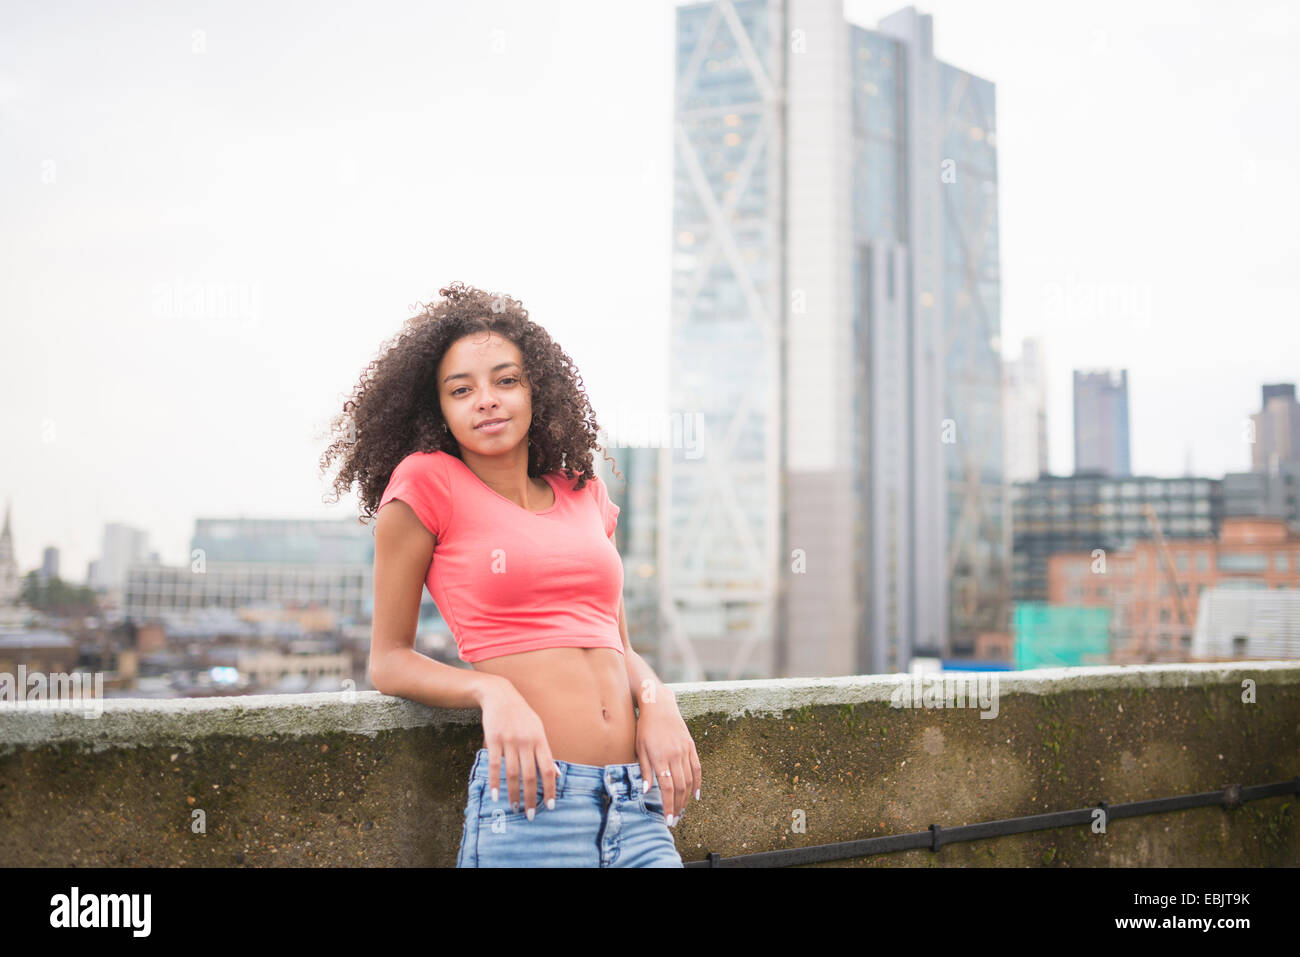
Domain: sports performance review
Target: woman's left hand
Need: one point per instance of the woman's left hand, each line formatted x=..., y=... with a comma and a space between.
x=665, y=749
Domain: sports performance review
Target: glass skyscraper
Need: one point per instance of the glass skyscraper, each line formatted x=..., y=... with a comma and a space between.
x=835, y=323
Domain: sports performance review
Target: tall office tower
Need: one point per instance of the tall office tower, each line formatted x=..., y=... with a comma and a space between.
x=49, y=564
x=634, y=488
x=1101, y=422
x=835, y=320
x=1276, y=428
x=122, y=546
x=1026, y=414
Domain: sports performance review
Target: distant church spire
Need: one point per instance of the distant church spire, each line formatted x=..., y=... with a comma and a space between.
x=10, y=588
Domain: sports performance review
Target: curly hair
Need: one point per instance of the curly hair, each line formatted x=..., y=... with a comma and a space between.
x=395, y=411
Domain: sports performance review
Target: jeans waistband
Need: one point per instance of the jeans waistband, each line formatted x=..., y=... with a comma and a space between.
x=624, y=780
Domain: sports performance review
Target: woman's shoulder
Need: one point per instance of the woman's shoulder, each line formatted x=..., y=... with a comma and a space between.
x=420, y=480
x=424, y=460
x=423, y=470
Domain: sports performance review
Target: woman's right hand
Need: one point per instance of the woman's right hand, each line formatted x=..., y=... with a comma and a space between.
x=513, y=731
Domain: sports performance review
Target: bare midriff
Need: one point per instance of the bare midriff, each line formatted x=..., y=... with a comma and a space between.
x=582, y=698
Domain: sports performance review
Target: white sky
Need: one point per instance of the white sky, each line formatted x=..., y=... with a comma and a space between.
x=332, y=164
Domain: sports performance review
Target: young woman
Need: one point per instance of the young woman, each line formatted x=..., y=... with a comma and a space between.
x=474, y=429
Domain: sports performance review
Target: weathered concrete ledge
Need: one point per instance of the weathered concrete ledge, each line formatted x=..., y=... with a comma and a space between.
x=360, y=778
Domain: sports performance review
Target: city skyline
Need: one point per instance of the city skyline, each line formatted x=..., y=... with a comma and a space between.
x=126, y=402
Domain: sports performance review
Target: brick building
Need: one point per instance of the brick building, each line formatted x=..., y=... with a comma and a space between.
x=1151, y=619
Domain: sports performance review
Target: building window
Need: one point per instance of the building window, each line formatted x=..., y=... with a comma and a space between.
x=1181, y=561
x=1243, y=562
x=1202, y=561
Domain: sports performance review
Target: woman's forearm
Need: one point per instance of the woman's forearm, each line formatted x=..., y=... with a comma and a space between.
x=405, y=673
x=646, y=688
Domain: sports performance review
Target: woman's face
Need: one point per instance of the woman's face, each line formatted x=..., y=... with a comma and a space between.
x=480, y=378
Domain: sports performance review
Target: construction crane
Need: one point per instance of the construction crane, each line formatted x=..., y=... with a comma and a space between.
x=1167, y=562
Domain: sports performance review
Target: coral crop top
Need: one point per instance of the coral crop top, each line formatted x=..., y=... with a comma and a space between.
x=509, y=580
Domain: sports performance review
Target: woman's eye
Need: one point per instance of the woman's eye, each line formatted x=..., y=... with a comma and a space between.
x=503, y=381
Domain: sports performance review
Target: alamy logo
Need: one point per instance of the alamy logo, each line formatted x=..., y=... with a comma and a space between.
x=948, y=691
x=79, y=691
x=102, y=910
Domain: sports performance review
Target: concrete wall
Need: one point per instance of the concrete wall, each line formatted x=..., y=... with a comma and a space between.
x=367, y=779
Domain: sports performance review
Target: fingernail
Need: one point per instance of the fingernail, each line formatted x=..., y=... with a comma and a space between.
x=550, y=804
x=495, y=793
x=645, y=786
x=671, y=820
x=697, y=794
x=531, y=812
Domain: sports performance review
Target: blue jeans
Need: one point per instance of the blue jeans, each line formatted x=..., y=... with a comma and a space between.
x=601, y=819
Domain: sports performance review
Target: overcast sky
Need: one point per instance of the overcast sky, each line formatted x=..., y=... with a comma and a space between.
x=328, y=165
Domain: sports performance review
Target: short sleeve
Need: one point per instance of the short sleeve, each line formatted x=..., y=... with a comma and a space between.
x=420, y=480
x=608, y=510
